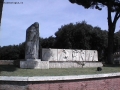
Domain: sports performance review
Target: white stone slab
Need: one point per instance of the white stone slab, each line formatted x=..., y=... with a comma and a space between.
x=33, y=59
x=35, y=64
x=95, y=55
x=49, y=54
x=76, y=55
x=87, y=55
x=64, y=55
x=74, y=64
x=64, y=64
x=93, y=64
x=56, y=78
x=91, y=55
x=69, y=55
x=82, y=55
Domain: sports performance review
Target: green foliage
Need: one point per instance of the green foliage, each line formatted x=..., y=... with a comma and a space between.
x=112, y=6
x=64, y=36
x=22, y=50
x=71, y=36
x=117, y=41
x=74, y=36
x=82, y=36
x=98, y=4
x=9, y=52
x=47, y=42
x=99, y=38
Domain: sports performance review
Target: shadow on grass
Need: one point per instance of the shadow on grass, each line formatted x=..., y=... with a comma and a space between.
x=8, y=68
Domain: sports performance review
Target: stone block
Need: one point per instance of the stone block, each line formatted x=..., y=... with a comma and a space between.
x=93, y=64
x=64, y=55
x=73, y=64
x=32, y=42
x=49, y=54
x=36, y=64
x=64, y=64
x=91, y=55
x=82, y=55
x=95, y=55
x=76, y=55
x=69, y=55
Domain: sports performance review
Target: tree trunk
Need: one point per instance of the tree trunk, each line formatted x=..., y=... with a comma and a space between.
x=1, y=7
x=110, y=34
x=110, y=46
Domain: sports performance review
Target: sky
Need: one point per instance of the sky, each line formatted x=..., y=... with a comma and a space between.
x=50, y=14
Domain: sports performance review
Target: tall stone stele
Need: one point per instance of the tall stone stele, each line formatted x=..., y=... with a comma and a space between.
x=32, y=42
x=32, y=49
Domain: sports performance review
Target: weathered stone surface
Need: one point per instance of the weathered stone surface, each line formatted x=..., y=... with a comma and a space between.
x=64, y=64
x=49, y=54
x=92, y=64
x=34, y=64
x=91, y=55
x=64, y=55
x=82, y=55
x=69, y=55
x=61, y=58
x=73, y=64
x=32, y=42
x=95, y=55
x=75, y=55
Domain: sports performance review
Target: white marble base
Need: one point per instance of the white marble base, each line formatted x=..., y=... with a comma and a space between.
x=34, y=64
x=37, y=64
x=73, y=64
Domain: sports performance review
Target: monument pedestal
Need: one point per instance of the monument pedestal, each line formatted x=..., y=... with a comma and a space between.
x=34, y=64
x=73, y=64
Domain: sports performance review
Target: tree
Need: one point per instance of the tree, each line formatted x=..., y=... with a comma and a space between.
x=10, y=52
x=98, y=42
x=117, y=42
x=82, y=36
x=22, y=50
x=47, y=42
x=74, y=36
x=64, y=36
x=113, y=6
x=1, y=6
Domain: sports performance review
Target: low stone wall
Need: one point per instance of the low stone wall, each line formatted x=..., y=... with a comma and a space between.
x=37, y=64
x=6, y=62
x=79, y=82
x=34, y=64
x=69, y=55
x=73, y=64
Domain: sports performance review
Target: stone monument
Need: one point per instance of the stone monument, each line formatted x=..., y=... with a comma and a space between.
x=55, y=58
x=32, y=42
x=71, y=58
x=32, y=49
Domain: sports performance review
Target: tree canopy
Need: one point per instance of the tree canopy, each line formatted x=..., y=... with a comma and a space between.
x=70, y=36
x=112, y=6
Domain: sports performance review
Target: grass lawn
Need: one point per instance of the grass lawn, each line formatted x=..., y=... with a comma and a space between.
x=13, y=71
